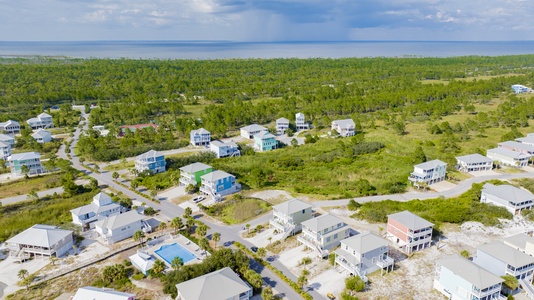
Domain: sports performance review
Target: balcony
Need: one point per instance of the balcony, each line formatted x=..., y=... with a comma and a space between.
x=385, y=262
x=519, y=271
x=349, y=263
x=187, y=180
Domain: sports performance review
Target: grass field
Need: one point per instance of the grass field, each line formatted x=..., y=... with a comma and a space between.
x=23, y=186
x=119, y=166
x=238, y=210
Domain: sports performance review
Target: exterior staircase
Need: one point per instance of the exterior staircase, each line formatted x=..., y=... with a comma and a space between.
x=527, y=287
x=288, y=231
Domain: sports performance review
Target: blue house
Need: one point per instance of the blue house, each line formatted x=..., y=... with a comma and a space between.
x=152, y=161
x=218, y=184
x=265, y=141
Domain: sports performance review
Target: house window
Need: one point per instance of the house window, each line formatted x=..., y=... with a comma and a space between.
x=303, y=211
x=335, y=236
x=328, y=239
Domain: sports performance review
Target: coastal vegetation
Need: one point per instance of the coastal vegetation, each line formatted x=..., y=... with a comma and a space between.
x=237, y=209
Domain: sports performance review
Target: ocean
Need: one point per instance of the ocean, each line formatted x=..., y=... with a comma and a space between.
x=230, y=50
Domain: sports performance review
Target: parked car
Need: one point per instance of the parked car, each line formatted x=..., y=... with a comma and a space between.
x=254, y=249
x=198, y=199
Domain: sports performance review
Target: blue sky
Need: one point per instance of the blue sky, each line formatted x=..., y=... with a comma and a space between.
x=266, y=20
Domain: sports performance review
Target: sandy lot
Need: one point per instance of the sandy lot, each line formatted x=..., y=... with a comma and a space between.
x=272, y=196
x=261, y=239
x=442, y=186
x=172, y=193
x=9, y=270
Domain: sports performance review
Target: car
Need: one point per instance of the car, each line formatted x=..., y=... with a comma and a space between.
x=198, y=199
x=254, y=249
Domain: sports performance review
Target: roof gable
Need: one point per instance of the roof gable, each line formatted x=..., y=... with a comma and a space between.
x=292, y=206
x=410, y=220
x=210, y=286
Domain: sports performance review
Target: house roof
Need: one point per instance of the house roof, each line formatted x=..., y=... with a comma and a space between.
x=33, y=120
x=282, y=120
x=264, y=135
x=322, y=222
x=142, y=260
x=216, y=175
x=474, y=158
x=507, y=254
x=44, y=115
x=101, y=202
x=223, y=144
x=292, y=206
x=219, y=285
x=508, y=192
x=469, y=271
x=149, y=154
x=410, y=220
x=365, y=242
x=5, y=137
x=9, y=122
x=24, y=156
x=94, y=293
x=253, y=127
x=4, y=144
x=118, y=221
x=102, y=199
x=299, y=115
x=195, y=167
x=508, y=153
x=346, y=123
x=519, y=240
x=200, y=131
x=41, y=133
x=528, y=139
x=40, y=235
x=431, y=164
x=517, y=145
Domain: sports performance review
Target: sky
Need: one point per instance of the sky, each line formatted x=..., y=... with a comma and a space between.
x=266, y=20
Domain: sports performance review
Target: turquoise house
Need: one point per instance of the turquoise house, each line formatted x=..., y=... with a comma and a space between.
x=265, y=141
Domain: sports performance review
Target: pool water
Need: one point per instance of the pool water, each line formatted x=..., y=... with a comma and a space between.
x=169, y=252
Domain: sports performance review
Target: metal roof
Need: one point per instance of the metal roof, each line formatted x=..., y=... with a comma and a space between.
x=264, y=135
x=219, y=285
x=322, y=222
x=410, y=220
x=40, y=235
x=528, y=139
x=5, y=137
x=431, y=164
x=195, y=167
x=346, y=123
x=223, y=144
x=216, y=175
x=94, y=293
x=118, y=221
x=365, y=242
x=507, y=254
x=474, y=158
x=517, y=145
x=292, y=206
x=25, y=156
x=282, y=120
x=200, y=131
x=41, y=133
x=149, y=154
x=469, y=271
x=519, y=240
x=253, y=127
x=508, y=192
x=508, y=153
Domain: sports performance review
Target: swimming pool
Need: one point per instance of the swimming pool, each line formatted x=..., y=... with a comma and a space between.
x=169, y=252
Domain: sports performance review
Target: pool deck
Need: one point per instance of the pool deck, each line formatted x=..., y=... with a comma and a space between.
x=182, y=241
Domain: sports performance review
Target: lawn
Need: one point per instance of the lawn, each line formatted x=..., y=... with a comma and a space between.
x=119, y=166
x=23, y=186
x=237, y=209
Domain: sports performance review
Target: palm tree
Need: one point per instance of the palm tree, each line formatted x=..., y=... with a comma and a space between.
x=267, y=293
x=162, y=226
x=201, y=230
x=204, y=244
x=22, y=274
x=190, y=223
x=177, y=223
x=188, y=212
x=158, y=268
x=115, y=175
x=216, y=237
x=138, y=236
x=176, y=263
x=302, y=281
x=261, y=252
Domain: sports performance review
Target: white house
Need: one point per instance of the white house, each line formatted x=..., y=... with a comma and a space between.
x=300, y=122
x=363, y=254
x=323, y=233
x=200, y=137
x=528, y=140
x=5, y=150
x=508, y=157
x=522, y=242
x=9, y=139
x=101, y=130
x=409, y=231
x=42, y=240
x=43, y=120
x=474, y=162
x=251, y=130
x=501, y=259
x=519, y=89
x=152, y=161
x=95, y=293
x=222, y=150
x=508, y=196
x=142, y=261
x=119, y=227
x=32, y=160
x=345, y=127
x=223, y=284
x=429, y=172
x=10, y=127
x=459, y=278
x=282, y=125
x=517, y=146
x=42, y=136
x=288, y=216
x=101, y=207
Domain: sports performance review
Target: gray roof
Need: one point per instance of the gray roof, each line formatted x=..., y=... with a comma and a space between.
x=469, y=271
x=149, y=154
x=474, y=158
x=508, y=153
x=9, y=122
x=253, y=127
x=216, y=175
x=24, y=156
x=299, y=115
x=5, y=137
x=118, y=221
x=219, y=285
x=431, y=164
x=517, y=145
x=41, y=133
x=508, y=192
x=507, y=254
x=264, y=135
x=40, y=235
x=4, y=144
x=95, y=293
x=44, y=115
x=195, y=167
x=365, y=242
x=101, y=202
x=322, y=222
x=519, y=240
x=292, y=206
x=528, y=139
x=282, y=120
x=200, y=131
x=223, y=144
x=410, y=220
x=346, y=123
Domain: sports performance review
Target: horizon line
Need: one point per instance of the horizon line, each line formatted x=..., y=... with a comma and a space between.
x=270, y=42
